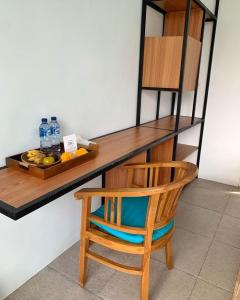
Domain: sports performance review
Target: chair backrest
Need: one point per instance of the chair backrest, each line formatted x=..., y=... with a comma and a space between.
x=162, y=198
x=180, y=174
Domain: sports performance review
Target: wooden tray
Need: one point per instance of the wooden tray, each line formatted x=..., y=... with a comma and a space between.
x=16, y=163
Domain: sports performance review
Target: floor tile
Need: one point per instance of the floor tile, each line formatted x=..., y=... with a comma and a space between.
x=197, y=219
x=206, y=291
x=233, y=208
x=20, y=295
x=97, y=274
x=48, y=284
x=221, y=266
x=208, y=184
x=212, y=199
x=164, y=284
x=189, y=251
x=229, y=231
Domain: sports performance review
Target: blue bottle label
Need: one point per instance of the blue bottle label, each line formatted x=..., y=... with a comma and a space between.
x=55, y=130
x=44, y=132
x=41, y=132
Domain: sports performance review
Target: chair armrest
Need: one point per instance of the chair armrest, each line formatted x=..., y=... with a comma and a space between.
x=123, y=192
x=166, y=164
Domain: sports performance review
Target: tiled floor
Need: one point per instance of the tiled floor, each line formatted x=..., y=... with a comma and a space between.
x=206, y=257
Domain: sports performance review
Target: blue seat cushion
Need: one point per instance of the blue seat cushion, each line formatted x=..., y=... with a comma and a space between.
x=134, y=210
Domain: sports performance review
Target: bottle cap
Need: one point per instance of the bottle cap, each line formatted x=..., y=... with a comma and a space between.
x=54, y=118
x=44, y=120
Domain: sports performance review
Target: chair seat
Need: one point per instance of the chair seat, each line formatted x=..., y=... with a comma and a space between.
x=134, y=210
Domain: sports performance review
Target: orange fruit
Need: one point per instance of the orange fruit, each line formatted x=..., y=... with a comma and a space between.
x=80, y=151
x=66, y=156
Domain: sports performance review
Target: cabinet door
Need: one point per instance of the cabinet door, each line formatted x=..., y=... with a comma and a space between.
x=163, y=152
x=117, y=177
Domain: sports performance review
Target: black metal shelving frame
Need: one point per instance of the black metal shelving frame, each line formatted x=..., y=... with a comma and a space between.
x=208, y=16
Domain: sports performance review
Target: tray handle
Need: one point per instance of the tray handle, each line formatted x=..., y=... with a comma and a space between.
x=24, y=165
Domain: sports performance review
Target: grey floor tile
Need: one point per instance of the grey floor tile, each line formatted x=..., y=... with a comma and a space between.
x=189, y=251
x=206, y=291
x=48, y=284
x=221, y=266
x=233, y=208
x=164, y=284
x=20, y=295
x=197, y=219
x=229, y=231
x=208, y=184
x=97, y=274
x=212, y=199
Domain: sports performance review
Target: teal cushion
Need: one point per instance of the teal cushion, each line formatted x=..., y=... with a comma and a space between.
x=134, y=212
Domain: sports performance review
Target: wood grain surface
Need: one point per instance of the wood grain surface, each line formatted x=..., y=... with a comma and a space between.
x=175, y=21
x=173, y=5
x=168, y=123
x=18, y=189
x=162, y=62
x=183, y=151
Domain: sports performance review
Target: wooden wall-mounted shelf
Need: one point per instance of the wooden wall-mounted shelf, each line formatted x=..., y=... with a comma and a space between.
x=183, y=151
x=180, y=5
x=172, y=5
x=169, y=123
x=21, y=193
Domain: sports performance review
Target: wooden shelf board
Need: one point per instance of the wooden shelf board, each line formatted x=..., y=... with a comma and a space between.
x=168, y=123
x=183, y=151
x=173, y=5
x=180, y=5
x=21, y=193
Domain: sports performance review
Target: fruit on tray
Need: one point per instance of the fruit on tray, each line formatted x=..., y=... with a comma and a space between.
x=80, y=151
x=67, y=155
x=48, y=160
x=35, y=156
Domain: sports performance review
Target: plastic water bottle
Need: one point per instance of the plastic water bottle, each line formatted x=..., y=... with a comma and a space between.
x=55, y=135
x=45, y=136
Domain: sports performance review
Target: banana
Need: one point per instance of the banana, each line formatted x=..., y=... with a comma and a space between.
x=35, y=156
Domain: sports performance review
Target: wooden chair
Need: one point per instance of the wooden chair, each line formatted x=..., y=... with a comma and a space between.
x=109, y=226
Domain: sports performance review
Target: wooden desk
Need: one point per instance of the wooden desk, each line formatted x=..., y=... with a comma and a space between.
x=21, y=194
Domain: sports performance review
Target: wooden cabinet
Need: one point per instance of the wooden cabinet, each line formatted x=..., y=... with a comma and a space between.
x=161, y=153
x=117, y=177
x=163, y=55
x=162, y=62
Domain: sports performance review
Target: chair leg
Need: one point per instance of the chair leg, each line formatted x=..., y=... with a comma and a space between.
x=145, y=277
x=83, y=261
x=169, y=254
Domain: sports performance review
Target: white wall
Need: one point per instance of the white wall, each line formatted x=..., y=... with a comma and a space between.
x=79, y=60
x=74, y=59
x=221, y=143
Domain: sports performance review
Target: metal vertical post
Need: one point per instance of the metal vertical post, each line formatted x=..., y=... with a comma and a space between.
x=141, y=59
x=208, y=81
x=199, y=66
x=182, y=73
x=173, y=103
x=158, y=104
